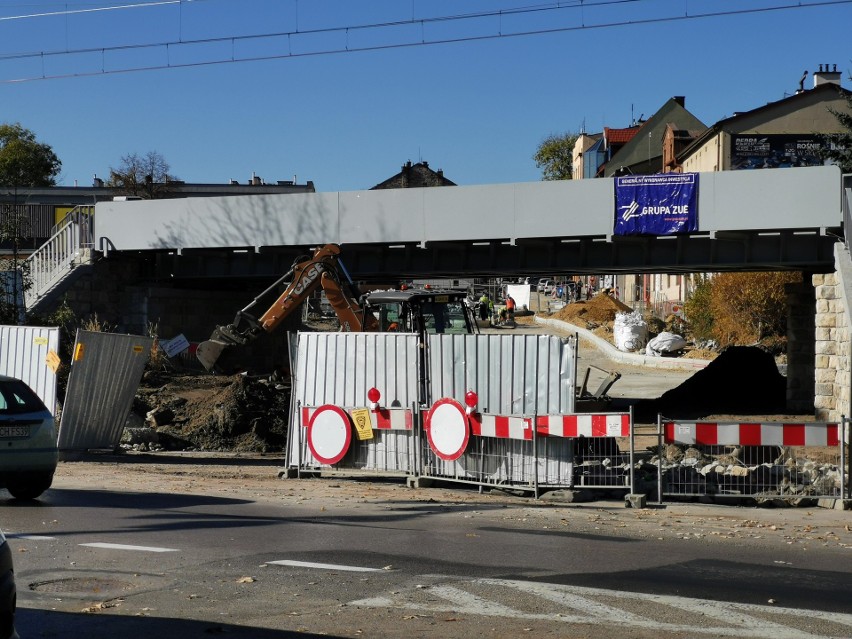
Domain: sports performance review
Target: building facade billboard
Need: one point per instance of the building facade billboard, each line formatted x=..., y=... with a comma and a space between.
x=751, y=151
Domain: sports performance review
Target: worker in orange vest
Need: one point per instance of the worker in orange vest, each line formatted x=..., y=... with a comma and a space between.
x=510, y=308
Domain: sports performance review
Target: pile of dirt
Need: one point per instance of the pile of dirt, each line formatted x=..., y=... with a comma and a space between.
x=742, y=380
x=598, y=310
x=209, y=412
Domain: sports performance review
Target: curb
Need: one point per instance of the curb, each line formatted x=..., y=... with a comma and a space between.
x=631, y=359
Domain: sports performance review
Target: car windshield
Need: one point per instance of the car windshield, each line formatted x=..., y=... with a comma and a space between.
x=17, y=397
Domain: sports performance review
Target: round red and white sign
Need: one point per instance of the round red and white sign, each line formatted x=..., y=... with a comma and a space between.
x=329, y=434
x=447, y=429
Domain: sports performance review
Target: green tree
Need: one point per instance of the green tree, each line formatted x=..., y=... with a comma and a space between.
x=697, y=309
x=24, y=163
x=840, y=144
x=554, y=156
x=147, y=176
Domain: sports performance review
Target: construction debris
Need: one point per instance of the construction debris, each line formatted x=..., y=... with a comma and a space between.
x=207, y=412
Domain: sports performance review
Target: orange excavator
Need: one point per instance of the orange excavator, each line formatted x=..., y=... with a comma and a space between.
x=324, y=269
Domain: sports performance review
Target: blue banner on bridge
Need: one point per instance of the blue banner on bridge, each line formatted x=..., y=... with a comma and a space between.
x=656, y=204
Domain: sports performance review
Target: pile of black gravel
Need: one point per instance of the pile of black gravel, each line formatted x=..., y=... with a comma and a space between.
x=743, y=380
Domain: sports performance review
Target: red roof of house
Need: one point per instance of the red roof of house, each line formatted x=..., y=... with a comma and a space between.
x=620, y=136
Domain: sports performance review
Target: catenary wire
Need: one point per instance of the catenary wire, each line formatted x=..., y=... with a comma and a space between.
x=347, y=48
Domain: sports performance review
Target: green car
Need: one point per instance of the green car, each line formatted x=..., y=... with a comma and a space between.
x=28, y=452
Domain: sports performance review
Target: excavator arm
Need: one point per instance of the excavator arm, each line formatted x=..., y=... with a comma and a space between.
x=306, y=275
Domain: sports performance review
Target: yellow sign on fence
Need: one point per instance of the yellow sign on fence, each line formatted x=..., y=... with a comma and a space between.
x=363, y=425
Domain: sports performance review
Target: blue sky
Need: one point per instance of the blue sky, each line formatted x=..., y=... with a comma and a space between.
x=476, y=107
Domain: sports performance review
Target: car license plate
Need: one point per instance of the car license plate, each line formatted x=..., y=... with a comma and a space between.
x=14, y=431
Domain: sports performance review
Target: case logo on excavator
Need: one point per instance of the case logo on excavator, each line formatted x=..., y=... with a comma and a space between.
x=308, y=278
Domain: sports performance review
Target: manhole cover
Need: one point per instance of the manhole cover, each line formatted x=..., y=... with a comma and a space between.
x=81, y=585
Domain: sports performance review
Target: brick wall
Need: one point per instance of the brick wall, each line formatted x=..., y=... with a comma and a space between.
x=832, y=378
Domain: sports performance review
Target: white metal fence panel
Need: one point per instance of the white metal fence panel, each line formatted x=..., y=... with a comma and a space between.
x=105, y=373
x=338, y=369
x=23, y=354
x=511, y=374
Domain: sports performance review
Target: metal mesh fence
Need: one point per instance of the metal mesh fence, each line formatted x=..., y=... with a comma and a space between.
x=563, y=451
x=761, y=461
x=601, y=462
x=495, y=462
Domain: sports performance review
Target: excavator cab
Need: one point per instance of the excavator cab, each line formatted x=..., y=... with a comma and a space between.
x=420, y=311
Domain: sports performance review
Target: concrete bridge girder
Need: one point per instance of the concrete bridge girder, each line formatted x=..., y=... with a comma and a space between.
x=801, y=250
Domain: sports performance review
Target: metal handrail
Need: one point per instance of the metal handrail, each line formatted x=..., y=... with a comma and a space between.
x=58, y=256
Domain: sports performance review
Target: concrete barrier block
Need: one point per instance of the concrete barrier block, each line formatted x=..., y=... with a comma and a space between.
x=636, y=501
x=419, y=482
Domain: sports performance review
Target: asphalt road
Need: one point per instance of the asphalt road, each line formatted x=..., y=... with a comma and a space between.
x=168, y=550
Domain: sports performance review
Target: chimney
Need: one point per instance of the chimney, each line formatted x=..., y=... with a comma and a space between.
x=802, y=82
x=98, y=182
x=255, y=180
x=826, y=76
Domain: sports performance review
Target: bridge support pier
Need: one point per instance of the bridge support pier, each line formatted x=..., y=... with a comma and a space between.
x=833, y=348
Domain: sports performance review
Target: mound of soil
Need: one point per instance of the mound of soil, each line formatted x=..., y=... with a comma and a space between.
x=601, y=308
x=209, y=412
x=742, y=380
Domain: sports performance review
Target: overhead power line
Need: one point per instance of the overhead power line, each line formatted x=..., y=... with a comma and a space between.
x=70, y=12
x=294, y=37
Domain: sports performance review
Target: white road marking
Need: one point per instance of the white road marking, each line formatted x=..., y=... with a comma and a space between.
x=465, y=601
x=309, y=564
x=128, y=547
x=586, y=606
x=719, y=610
x=595, y=605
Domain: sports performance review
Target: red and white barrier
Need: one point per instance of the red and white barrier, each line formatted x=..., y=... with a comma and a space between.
x=329, y=428
x=584, y=425
x=501, y=426
x=746, y=434
x=381, y=418
x=392, y=419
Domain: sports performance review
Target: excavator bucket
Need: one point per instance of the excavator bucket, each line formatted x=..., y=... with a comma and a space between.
x=209, y=351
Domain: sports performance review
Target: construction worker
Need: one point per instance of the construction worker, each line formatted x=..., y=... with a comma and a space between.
x=486, y=307
x=510, y=308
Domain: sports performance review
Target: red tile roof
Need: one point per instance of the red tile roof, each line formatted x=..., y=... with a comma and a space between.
x=620, y=136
